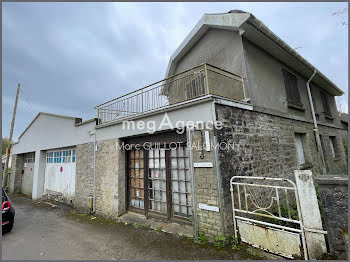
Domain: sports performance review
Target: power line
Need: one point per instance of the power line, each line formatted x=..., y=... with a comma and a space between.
x=31, y=107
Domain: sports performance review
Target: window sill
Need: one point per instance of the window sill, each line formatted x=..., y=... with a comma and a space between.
x=305, y=166
x=328, y=117
x=301, y=108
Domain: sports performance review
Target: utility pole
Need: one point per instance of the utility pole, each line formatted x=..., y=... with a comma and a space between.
x=4, y=182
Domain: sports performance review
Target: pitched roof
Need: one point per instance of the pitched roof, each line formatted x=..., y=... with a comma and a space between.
x=49, y=114
x=255, y=31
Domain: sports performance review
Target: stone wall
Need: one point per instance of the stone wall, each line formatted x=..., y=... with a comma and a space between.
x=84, y=176
x=15, y=180
x=265, y=146
x=110, y=179
x=206, y=187
x=333, y=192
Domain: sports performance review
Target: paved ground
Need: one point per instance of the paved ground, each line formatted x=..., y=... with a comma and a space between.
x=45, y=232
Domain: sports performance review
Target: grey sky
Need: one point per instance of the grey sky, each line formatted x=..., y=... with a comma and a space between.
x=70, y=57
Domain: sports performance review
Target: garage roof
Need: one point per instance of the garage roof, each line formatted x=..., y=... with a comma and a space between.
x=255, y=31
x=49, y=114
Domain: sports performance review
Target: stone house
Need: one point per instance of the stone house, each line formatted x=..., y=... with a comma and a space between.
x=230, y=69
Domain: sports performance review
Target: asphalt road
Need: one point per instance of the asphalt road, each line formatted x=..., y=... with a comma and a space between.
x=44, y=232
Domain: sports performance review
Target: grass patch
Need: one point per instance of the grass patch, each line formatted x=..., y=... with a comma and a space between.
x=202, y=239
x=220, y=241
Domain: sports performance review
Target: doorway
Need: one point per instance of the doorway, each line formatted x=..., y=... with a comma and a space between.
x=160, y=182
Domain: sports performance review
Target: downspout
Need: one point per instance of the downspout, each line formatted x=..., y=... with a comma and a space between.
x=94, y=177
x=318, y=140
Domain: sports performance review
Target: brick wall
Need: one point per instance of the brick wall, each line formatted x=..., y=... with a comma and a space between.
x=265, y=146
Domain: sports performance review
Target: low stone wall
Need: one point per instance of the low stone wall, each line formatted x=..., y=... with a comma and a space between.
x=334, y=200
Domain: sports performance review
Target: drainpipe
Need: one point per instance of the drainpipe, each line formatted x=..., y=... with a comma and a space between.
x=318, y=140
x=94, y=178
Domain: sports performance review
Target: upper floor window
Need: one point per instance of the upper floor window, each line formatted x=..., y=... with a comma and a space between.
x=292, y=90
x=325, y=103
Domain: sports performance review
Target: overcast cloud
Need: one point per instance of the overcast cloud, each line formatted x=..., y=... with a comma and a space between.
x=70, y=57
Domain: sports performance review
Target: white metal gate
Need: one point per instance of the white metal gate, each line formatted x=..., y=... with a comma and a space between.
x=266, y=214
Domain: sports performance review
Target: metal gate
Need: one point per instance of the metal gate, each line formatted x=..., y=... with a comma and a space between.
x=266, y=214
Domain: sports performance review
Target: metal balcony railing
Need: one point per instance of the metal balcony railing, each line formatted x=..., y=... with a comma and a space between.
x=196, y=82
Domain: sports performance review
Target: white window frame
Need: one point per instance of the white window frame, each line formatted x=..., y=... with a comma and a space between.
x=332, y=143
x=63, y=156
x=300, y=148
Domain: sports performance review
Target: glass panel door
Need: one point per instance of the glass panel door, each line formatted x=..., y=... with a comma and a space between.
x=157, y=180
x=136, y=179
x=181, y=182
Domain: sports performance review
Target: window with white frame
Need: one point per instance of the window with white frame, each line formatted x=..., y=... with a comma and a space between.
x=57, y=157
x=49, y=157
x=66, y=156
x=61, y=156
x=300, y=150
x=29, y=158
x=73, y=156
x=333, y=145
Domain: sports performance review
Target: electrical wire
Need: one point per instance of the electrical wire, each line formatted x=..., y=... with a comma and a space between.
x=31, y=107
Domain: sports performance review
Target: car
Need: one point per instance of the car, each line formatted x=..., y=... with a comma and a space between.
x=8, y=213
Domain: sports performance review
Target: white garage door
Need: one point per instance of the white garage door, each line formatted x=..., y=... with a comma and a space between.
x=60, y=172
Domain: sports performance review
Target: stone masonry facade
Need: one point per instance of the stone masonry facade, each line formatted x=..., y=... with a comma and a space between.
x=84, y=176
x=110, y=178
x=333, y=192
x=15, y=179
x=265, y=146
x=206, y=187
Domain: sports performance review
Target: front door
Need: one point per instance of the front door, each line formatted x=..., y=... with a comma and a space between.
x=166, y=189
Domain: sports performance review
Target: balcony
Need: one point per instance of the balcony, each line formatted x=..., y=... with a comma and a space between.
x=200, y=81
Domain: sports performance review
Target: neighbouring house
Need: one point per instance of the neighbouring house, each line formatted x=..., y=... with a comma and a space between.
x=3, y=160
x=230, y=68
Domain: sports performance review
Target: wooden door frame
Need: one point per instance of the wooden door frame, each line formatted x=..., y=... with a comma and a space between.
x=145, y=211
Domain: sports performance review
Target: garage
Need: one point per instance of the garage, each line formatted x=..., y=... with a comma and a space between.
x=28, y=173
x=60, y=173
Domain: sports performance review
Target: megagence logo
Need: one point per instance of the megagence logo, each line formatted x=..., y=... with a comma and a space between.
x=179, y=126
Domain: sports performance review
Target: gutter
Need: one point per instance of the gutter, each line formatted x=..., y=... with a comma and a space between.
x=268, y=33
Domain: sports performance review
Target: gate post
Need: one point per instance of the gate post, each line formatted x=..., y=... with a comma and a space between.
x=310, y=212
